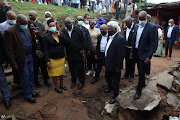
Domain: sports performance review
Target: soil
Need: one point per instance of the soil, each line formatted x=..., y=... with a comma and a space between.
x=88, y=103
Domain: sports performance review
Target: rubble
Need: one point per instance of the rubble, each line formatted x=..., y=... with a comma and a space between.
x=109, y=107
x=172, y=100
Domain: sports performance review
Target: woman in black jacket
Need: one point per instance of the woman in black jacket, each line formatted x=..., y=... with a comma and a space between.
x=54, y=54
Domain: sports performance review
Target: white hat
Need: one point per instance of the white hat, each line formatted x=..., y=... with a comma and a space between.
x=47, y=13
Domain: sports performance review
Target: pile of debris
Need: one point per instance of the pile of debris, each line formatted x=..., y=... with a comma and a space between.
x=150, y=98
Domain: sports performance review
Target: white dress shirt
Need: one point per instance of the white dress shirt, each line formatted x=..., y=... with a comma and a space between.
x=109, y=42
x=86, y=25
x=170, y=31
x=103, y=43
x=128, y=30
x=4, y=26
x=138, y=36
x=70, y=31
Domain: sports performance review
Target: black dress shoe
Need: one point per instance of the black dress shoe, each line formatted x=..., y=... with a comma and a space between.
x=112, y=101
x=137, y=95
x=63, y=87
x=107, y=90
x=124, y=77
x=31, y=100
x=131, y=79
x=94, y=81
x=47, y=84
x=35, y=94
x=58, y=90
x=73, y=84
x=7, y=105
x=81, y=85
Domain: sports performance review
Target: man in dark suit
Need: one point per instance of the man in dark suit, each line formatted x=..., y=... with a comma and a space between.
x=128, y=36
x=117, y=7
x=171, y=37
x=20, y=54
x=100, y=51
x=6, y=94
x=114, y=55
x=33, y=17
x=75, y=51
x=143, y=45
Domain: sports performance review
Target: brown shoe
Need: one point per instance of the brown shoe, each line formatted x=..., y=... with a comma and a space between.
x=169, y=58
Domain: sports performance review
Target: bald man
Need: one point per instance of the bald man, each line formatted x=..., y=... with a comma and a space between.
x=75, y=51
x=143, y=45
x=100, y=51
x=33, y=17
x=20, y=51
x=171, y=37
x=3, y=11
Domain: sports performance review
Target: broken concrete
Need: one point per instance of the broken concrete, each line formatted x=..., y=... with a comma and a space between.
x=172, y=100
x=165, y=79
x=109, y=107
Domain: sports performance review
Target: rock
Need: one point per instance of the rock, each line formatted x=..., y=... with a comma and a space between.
x=10, y=117
x=165, y=80
x=176, y=74
x=172, y=100
x=109, y=107
x=45, y=104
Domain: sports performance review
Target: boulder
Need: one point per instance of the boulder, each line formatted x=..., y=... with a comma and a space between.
x=172, y=100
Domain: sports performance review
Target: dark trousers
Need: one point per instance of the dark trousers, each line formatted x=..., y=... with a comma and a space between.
x=40, y=63
x=100, y=63
x=169, y=44
x=113, y=79
x=91, y=61
x=6, y=94
x=76, y=68
x=27, y=77
x=75, y=5
x=148, y=69
x=141, y=69
x=92, y=5
x=130, y=64
x=117, y=13
x=16, y=76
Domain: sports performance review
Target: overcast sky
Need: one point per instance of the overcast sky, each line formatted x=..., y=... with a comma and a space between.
x=160, y=1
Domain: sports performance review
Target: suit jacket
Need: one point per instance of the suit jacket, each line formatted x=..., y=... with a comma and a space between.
x=4, y=26
x=2, y=50
x=15, y=46
x=115, y=54
x=52, y=49
x=129, y=42
x=174, y=34
x=40, y=25
x=77, y=42
x=98, y=52
x=147, y=42
x=116, y=5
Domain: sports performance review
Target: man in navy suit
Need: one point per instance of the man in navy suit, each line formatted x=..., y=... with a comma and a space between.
x=143, y=45
x=114, y=55
x=171, y=37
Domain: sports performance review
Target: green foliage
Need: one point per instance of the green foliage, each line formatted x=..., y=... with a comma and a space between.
x=58, y=12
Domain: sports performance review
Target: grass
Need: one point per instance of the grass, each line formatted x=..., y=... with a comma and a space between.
x=58, y=12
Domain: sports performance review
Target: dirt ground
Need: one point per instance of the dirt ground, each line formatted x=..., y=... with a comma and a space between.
x=86, y=104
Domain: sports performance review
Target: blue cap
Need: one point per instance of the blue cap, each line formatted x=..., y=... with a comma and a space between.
x=101, y=20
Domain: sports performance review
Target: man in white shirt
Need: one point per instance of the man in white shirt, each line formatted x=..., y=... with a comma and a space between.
x=114, y=55
x=86, y=21
x=143, y=45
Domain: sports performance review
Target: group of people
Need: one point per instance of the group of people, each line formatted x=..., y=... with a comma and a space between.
x=28, y=45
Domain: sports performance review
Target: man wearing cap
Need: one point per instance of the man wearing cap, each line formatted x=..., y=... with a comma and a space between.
x=100, y=22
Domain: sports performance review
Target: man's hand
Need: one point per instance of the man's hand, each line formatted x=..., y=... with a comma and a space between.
x=15, y=67
x=164, y=41
x=147, y=61
x=118, y=70
x=48, y=64
x=176, y=42
x=131, y=56
x=82, y=52
x=88, y=53
x=5, y=64
x=96, y=57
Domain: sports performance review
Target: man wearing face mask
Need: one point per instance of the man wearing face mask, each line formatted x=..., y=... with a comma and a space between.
x=100, y=51
x=143, y=45
x=128, y=34
x=75, y=52
x=20, y=52
x=171, y=37
x=33, y=17
x=48, y=16
x=86, y=21
x=3, y=11
x=114, y=55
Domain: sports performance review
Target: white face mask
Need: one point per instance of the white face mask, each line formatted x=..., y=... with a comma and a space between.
x=169, y=24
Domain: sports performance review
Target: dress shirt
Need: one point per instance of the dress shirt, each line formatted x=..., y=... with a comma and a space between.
x=138, y=36
x=4, y=26
x=170, y=31
x=109, y=42
x=93, y=34
x=103, y=43
x=86, y=25
x=128, y=30
x=27, y=41
x=70, y=31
